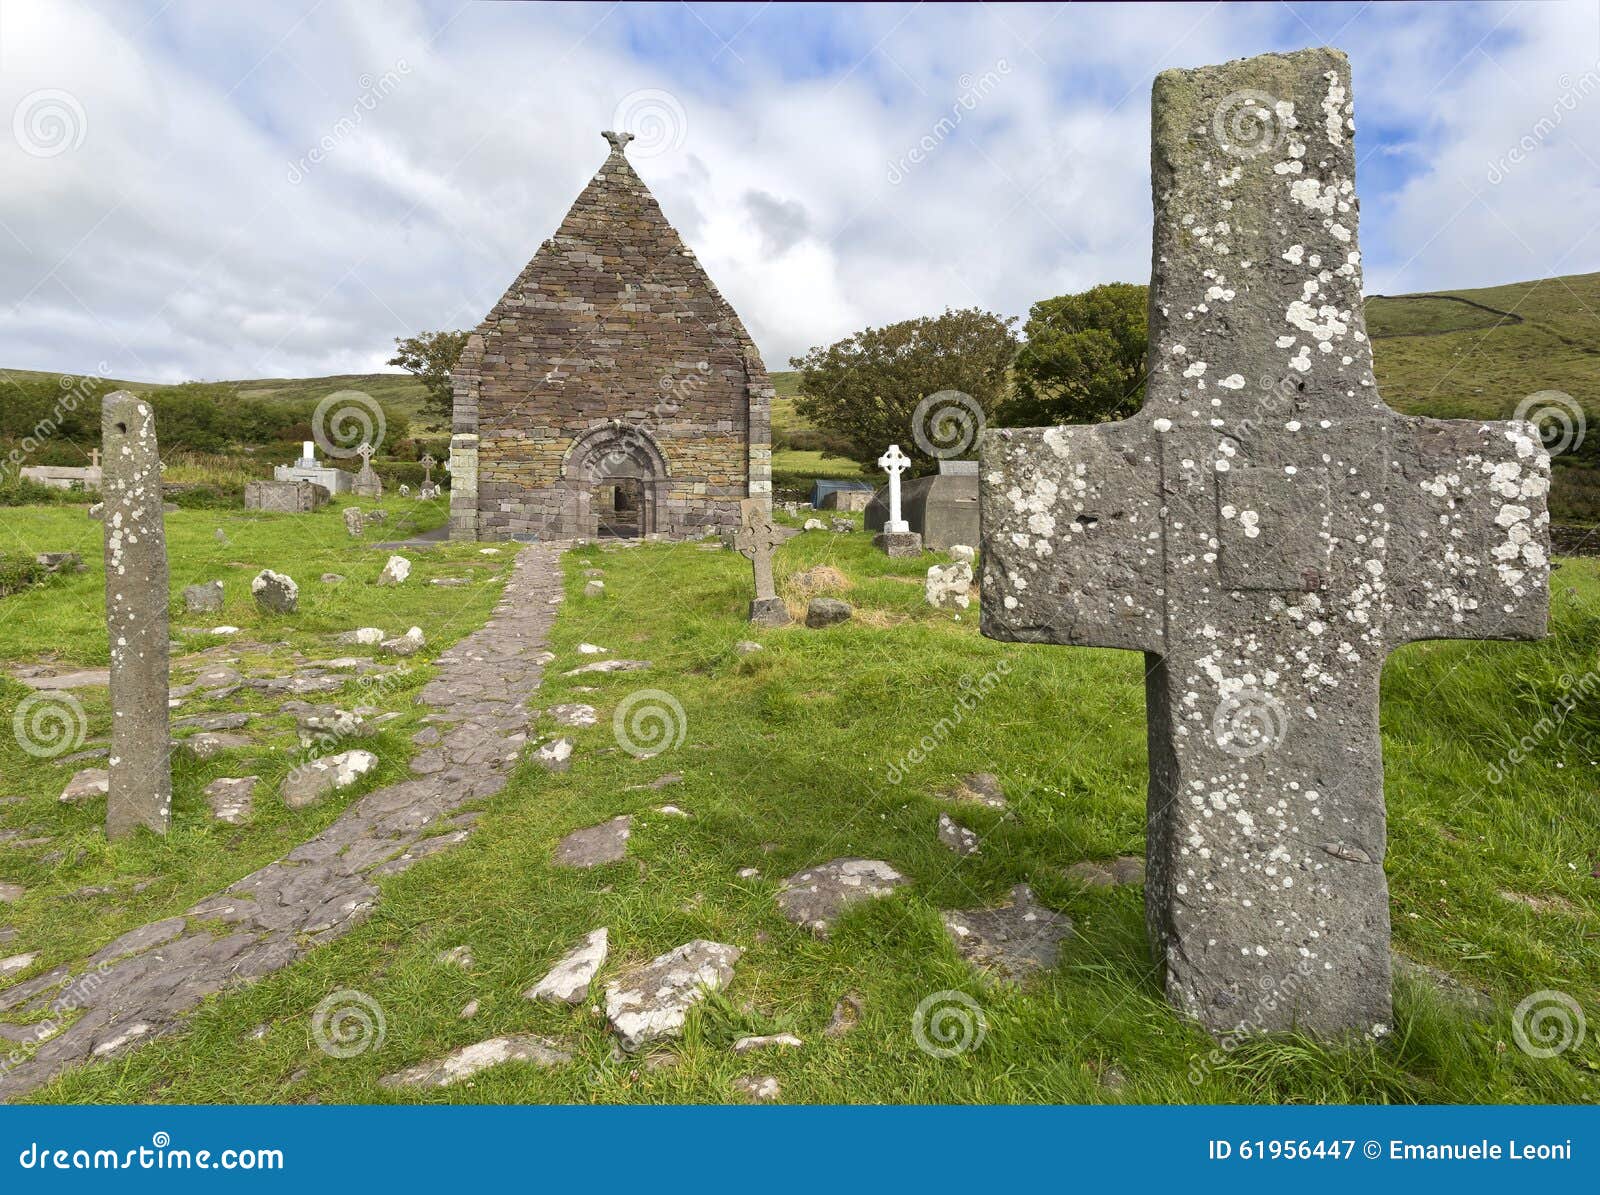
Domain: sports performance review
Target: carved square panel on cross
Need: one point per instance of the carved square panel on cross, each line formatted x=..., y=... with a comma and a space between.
x=1267, y=531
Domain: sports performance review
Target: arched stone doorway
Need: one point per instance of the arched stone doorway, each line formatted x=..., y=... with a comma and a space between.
x=615, y=480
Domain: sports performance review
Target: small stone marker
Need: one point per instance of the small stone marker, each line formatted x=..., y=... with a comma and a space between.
x=367, y=483
x=395, y=570
x=139, y=772
x=755, y=539
x=275, y=593
x=205, y=598
x=354, y=522
x=1267, y=531
x=896, y=538
x=427, y=476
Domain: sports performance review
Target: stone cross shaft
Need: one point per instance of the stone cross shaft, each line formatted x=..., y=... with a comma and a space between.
x=756, y=538
x=894, y=462
x=1267, y=531
x=139, y=769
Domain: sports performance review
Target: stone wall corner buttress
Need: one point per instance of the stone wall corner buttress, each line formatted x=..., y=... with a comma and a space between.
x=464, y=486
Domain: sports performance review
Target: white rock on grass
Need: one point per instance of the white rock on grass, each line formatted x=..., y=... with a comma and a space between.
x=786, y=1040
x=591, y=649
x=87, y=784
x=469, y=1060
x=652, y=1002
x=310, y=782
x=17, y=962
x=962, y=554
x=223, y=631
x=408, y=644
x=556, y=756
x=568, y=981
x=365, y=636
x=275, y=593
x=395, y=571
x=814, y=525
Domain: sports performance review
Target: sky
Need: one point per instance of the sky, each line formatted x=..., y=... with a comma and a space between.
x=279, y=189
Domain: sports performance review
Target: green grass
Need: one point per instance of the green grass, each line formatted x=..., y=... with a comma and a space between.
x=787, y=757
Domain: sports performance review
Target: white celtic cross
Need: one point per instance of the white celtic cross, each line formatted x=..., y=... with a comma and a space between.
x=365, y=453
x=894, y=462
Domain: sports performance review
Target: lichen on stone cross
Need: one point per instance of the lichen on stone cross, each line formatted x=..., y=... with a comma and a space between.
x=894, y=462
x=139, y=771
x=1267, y=531
x=756, y=537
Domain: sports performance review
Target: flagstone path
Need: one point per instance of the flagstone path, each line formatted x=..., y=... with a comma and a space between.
x=144, y=983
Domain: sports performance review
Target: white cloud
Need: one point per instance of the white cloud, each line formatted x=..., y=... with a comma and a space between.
x=266, y=190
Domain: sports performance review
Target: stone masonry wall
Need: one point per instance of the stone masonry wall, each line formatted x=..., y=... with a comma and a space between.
x=612, y=325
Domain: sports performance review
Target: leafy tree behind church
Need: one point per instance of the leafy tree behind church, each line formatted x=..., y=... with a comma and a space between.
x=431, y=356
x=866, y=387
x=1084, y=360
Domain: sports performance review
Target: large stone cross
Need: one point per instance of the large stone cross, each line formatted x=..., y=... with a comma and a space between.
x=1267, y=531
x=894, y=462
x=756, y=538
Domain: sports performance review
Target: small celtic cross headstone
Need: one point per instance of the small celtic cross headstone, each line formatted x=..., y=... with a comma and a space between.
x=427, y=470
x=756, y=538
x=1266, y=530
x=897, y=538
x=367, y=483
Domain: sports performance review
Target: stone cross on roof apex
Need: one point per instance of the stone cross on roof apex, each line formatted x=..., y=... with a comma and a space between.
x=619, y=141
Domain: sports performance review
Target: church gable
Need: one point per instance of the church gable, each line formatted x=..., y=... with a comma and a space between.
x=613, y=326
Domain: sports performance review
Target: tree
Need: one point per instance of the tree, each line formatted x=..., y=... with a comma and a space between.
x=870, y=388
x=431, y=356
x=1084, y=361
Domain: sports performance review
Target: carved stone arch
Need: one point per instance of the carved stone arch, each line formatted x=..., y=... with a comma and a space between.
x=615, y=456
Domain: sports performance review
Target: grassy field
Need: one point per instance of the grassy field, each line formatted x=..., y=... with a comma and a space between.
x=792, y=756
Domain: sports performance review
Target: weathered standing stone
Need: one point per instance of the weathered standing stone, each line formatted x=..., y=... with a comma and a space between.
x=367, y=483
x=139, y=772
x=206, y=598
x=756, y=538
x=1267, y=530
x=653, y=1001
x=354, y=522
x=275, y=593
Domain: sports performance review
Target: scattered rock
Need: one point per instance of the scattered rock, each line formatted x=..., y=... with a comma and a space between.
x=408, y=644
x=824, y=612
x=328, y=723
x=957, y=837
x=652, y=1002
x=594, y=845
x=1011, y=940
x=949, y=586
x=223, y=630
x=275, y=593
x=813, y=525
x=760, y=1089
x=378, y=516
x=1447, y=986
x=979, y=788
x=770, y=1041
x=203, y=599
x=747, y=647
x=591, y=649
x=456, y=956
x=573, y=715
x=11, y=892
x=609, y=666
x=354, y=523
x=749, y=873
x=816, y=897
x=568, y=981
x=962, y=553
x=310, y=782
x=470, y=1010
x=60, y=562
x=840, y=526
x=846, y=1016
x=1125, y=869
x=85, y=785
x=469, y=1060
x=556, y=756
x=213, y=722
x=364, y=636
x=232, y=798
x=593, y=588
x=395, y=571
x=17, y=962
x=333, y=578
x=209, y=745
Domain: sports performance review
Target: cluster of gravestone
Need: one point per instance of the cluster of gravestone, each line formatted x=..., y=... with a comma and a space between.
x=308, y=484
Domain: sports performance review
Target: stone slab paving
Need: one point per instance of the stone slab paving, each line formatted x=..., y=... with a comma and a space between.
x=144, y=983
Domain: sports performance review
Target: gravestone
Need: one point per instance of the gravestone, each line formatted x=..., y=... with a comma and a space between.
x=1267, y=531
x=367, y=483
x=428, y=491
x=308, y=468
x=896, y=538
x=139, y=773
x=284, y=497
x=756, y=538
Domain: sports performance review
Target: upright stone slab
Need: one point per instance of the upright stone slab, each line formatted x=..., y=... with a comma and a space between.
x=1267, y=530
x=139, y=773
x=756, y=537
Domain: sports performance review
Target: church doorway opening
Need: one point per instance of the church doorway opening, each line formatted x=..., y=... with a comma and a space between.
x=616, y=480
x=618, y=508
